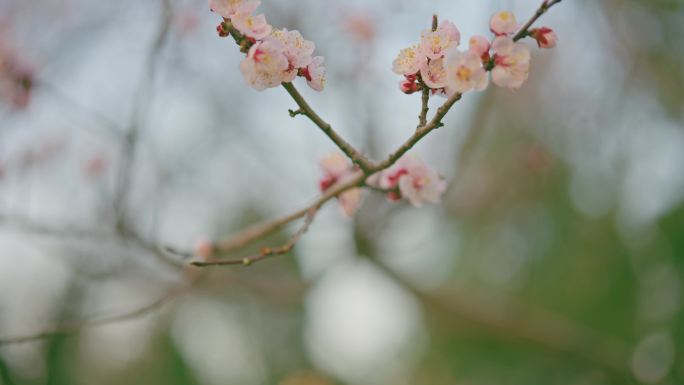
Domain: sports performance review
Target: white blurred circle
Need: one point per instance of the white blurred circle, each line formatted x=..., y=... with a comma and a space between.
x=361, y=326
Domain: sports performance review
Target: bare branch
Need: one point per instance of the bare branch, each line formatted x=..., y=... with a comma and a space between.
x=258, y=231
x=265, y=252
x=524, y=30
x=140, y=107
x=436, y=122
x=305, y=109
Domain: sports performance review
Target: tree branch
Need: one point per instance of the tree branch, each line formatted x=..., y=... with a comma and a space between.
x=436, y=122
x=524, y=30
x=258, y=231
x=305, y=109
x=265, y=252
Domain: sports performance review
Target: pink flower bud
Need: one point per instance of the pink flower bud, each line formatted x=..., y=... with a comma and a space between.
x=545, y=37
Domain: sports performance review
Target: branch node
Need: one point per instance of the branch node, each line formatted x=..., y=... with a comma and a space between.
x=294, y=113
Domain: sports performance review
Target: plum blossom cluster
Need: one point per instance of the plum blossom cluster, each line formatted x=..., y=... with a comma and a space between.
x=436, y=63
x=274, y=56
x=409, y=178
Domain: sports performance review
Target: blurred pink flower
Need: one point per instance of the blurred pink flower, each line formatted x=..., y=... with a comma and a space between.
x=337, y=168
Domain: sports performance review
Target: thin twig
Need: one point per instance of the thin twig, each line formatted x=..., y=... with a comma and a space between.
x=140, y=108
x=258, y=231
x=425, y=93
x=524, y=30
x=305, y=109
x=436, y=122
x=424, y=107
x=265, y=252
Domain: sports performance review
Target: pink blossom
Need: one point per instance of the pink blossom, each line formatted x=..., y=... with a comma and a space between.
x=451, y=31
x=252, y=26
x=314, y=73
x=265, y=65
x=433, y=74
x=503, y=23
x=231, y=8
x=433, y=44
x=297, y=50
x=415, y=180
x=336, y=168
x=545, y=37
x=464, y=72
x=479, y=45
x=511, y=62
x=409, y=61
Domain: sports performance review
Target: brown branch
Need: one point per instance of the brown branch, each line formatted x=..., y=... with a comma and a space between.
x=424, y=108
x=255, y=232
x=260, y=230
x=265, y=252
x=436, y=122
x=524, y=30
x=425, y=93
x=305, y=109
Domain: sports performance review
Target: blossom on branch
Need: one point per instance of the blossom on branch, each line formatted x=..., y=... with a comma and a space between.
x=265, y=64
x=252, y=26
x=230, y=8
x=273, y=56
x=479, y=45
x=465, y=72
x=545, y=37
x=511, y=62
x=433, y=44
x=314, y=73
x=433, y=74
x=412, y=179
x=409, y=61
x=503, y=23
x=338, y=169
